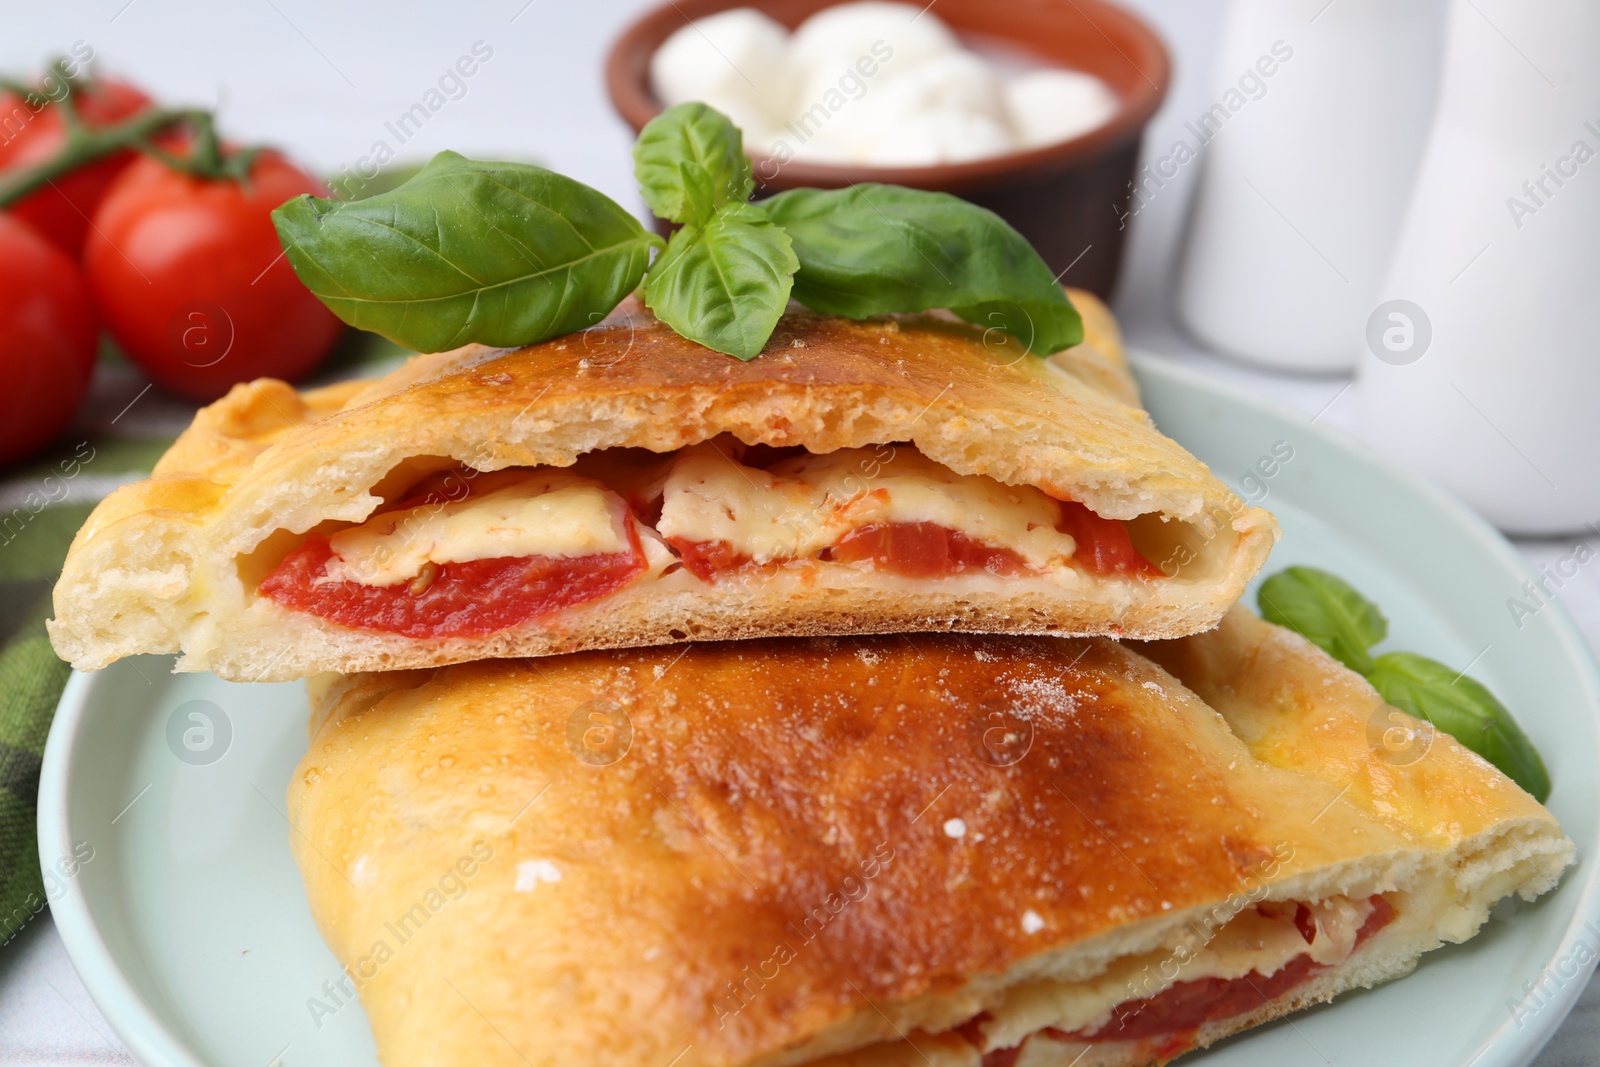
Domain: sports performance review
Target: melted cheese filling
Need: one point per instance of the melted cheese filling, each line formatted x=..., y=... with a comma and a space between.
x=795, y=510
x=808, y=503
x=554, y=514
x=1250, y=941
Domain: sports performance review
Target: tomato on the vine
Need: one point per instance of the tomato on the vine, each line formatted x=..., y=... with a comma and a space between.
x=193, y=284
x=47, y=339
x=61, y=211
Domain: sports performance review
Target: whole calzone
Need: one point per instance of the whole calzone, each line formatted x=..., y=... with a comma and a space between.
x=941, y=850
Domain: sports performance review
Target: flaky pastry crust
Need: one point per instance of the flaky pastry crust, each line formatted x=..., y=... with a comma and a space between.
x=761, y=854
x=170, y=564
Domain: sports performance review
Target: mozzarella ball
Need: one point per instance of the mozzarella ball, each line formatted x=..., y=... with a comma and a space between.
x=755, y=125
x=956, y=100
x=959, y=81
x=1051, y=106
x=737, y=55
x=873, y=83
x=934, y=137
x=848, y=128
x=895, y=38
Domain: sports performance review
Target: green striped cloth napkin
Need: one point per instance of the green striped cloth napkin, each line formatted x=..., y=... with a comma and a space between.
x=124, y=427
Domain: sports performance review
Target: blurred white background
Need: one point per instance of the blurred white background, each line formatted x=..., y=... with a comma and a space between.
x=321, y=79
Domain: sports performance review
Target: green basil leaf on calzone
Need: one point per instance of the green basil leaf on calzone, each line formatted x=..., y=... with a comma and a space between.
x=882, y=249
x=724, y=285
x=502, y=254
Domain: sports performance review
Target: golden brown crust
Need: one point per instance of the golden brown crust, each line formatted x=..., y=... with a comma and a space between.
x=1279, y=695
x=1100, y=361
x=783, y=807
x=164, y=565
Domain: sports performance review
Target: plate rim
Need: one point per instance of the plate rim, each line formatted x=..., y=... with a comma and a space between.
x=146, y=1034
x=152, y=1041
x=1514, y=1048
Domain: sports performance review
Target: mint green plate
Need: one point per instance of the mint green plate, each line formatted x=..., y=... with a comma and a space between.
x=191, y=931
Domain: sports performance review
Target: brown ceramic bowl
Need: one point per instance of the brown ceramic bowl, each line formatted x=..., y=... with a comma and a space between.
x=1069, y=199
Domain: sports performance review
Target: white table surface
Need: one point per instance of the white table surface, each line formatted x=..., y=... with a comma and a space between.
x=321, y=78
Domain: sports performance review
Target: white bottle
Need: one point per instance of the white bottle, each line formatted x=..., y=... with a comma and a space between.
x=1305, y=173
x=1489, y=378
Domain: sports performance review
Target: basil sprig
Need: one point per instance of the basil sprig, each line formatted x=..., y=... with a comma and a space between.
x=690, y=161
x=499, y=253
x=878, y=249
x=866, y=250
x=1332, y=615
x=725, y=277
x=1327, y=611
x=724, y=284
x=1464, y=709
x=510, y=254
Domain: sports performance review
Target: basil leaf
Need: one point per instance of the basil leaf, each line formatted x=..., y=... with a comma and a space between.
x=1464, y=709
x=724, y=285
x=699, y=199
x=499, y=253
x=1325, y=610
x=879, y=249
x=690, y=161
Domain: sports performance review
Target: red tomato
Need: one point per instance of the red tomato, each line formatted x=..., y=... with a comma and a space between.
x=909, y=549
x=1181, y=1009
x=192, y=282
x=707, y=559
x=47, y=339
x=1104, y=546
x=471, y=599
x=61, y=211
x=925, y=550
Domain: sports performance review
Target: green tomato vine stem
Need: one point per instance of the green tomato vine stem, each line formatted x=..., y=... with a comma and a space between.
x=82, y=144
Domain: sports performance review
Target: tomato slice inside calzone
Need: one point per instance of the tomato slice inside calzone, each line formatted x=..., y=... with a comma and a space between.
x=524, y=546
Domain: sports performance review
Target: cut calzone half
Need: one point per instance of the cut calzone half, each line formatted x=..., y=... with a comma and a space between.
x=624, y=487
x=943, y=850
